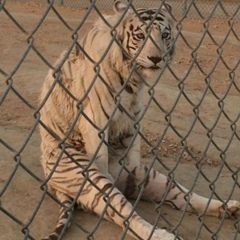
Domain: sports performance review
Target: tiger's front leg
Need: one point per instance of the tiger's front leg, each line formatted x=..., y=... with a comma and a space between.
x=95, y=142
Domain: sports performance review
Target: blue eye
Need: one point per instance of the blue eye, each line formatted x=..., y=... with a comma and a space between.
x=165, y=35
x=140, y=36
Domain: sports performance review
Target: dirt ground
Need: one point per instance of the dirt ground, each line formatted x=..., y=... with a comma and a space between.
x=210, y=90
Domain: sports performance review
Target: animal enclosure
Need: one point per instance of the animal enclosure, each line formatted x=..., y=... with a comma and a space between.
x=191, y=122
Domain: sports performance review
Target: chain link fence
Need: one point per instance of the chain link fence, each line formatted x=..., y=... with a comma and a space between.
x=203, y=9
x=191, y=116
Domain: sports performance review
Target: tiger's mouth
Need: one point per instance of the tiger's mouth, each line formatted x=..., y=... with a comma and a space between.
x=151, y=68
x=154, y=68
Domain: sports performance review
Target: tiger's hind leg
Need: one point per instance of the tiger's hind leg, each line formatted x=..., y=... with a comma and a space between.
x=108, y=200
x=65, y=213
x=100, y=196
x=156, y=186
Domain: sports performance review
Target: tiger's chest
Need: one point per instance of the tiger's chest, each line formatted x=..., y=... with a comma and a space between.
x=122, y=124
x=119, y=129
x=117, y=111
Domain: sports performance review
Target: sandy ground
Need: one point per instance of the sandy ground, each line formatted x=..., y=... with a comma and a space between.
x=20, y=193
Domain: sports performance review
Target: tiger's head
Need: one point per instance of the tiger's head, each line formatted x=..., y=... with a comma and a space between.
x=147, y=38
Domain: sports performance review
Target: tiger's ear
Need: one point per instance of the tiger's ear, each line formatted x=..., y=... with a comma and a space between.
x=167, y=7
x=118, y=6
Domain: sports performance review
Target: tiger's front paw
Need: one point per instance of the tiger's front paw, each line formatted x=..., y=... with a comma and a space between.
x=160, y=234
x=233, y=209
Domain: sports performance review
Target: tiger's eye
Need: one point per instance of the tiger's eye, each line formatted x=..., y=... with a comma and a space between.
x=140, y=36
x=165, y=35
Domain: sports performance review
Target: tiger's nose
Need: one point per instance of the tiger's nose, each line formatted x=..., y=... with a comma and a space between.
x=155, y=60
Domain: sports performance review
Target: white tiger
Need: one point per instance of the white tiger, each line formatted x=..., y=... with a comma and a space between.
x=90, y=123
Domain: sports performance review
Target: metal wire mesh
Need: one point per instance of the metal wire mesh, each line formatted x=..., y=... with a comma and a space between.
x=190, y=118
x=220, y=10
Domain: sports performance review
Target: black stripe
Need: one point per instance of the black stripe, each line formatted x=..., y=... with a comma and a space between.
x=53, y=236
x=154, y=174
x=114, y=195
x=147, y=177
x=128, y=88
x=136, y=113
x=69, y=160
x=123, y=203
x=146, y=11
x=58, y=230
x=67, y=169
x=62, y=74
x=77, y=50
x=64, y=181
x=146, y=18
x=98, y=178
x=128, y=42
x=55, y=124
x=175, y=196
x=131, y=186
x=100, y=194
x=120, y=77
x=70, y=70
x=106, y=187
x=64, y=215
x=67, y=202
